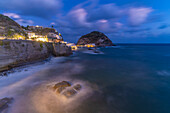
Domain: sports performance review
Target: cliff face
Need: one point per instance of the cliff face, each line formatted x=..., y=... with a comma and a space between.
x=16, y=52
x=9, y=27
x=61, y=49
x=98, y=38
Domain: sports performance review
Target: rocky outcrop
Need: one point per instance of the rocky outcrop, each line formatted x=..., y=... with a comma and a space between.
x=65, y=89
x=19, y=52
x=59, y=87
x=9, y=27
x=60, y=49
x=95, y=37
x=4, y=104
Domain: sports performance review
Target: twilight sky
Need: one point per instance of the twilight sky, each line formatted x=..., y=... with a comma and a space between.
x=123, y=21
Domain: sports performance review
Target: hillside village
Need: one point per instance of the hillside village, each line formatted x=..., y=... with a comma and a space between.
x=11, y=30
x=39, y=33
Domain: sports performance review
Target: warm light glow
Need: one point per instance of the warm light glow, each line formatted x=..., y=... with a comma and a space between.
x=42, y=39
x=74, y=48
x=18, y=37
x=87, y=45
x=90, y=45
x=63, y=42
x=72, y=45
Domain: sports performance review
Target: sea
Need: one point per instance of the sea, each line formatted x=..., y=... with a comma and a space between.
x=127, y=78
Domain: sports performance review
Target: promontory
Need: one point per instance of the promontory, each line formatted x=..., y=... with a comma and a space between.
x=95, y=37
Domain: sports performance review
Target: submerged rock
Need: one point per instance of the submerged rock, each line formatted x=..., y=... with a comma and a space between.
x=97, y=38
x=62, y=84
x=4, y=103
x=69, y=93
x=66, y=89
x=77, y=87
x=60, y=89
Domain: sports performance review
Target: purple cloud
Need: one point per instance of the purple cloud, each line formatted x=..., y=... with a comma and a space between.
x=107, y=18
x=18, y=19
x=38, y=8
x=138, y=16
x=107, y=11
x=79, y=17
x=12, y=15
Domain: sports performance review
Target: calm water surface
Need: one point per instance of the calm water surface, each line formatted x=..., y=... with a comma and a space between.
x=124, y=79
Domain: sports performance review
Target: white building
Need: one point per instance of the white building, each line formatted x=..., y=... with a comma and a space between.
x=31, y=35
x=53, y=35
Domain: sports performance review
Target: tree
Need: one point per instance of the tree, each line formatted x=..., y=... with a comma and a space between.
x=9, y=33
x=28, y=27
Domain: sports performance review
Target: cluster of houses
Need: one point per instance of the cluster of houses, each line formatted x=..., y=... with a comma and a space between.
x=49, y=37
x=38, y=36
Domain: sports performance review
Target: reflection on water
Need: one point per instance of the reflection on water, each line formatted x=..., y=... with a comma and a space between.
x=125, y=79
x=29, y=88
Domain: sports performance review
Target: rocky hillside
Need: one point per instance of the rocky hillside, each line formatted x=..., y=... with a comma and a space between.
x=16, y=52
x=95, y=37
x=9, y=27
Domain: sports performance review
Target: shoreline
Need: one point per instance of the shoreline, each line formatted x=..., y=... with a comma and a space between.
x=22, y=66
x=15, y=53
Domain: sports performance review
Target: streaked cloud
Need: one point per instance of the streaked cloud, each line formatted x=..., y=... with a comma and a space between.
x=78, y=17
x=163, y=26
x=37, y=8
x=18, y=19
x=138, y=16
x=12, y=15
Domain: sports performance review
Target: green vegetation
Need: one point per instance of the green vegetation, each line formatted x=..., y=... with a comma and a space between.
x=23, y=45
x=1, y=43
x=9, y=33
x=41, y=45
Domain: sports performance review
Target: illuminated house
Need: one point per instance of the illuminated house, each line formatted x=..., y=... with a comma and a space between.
x=35, y=27
x=53, y=37
x=37, y=37
x=72, y=45
x=39, y=27
x=31, y=35
x=2, y=37
x=18, y=37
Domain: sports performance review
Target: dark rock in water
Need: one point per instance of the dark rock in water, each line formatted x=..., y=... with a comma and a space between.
x=62, y=84
x=77, y=87
x=95, y=51
x=4, y=103
x=60, y=89
x=64, y=88
x=97, y=38
x=90, y=49
x=69, y=93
